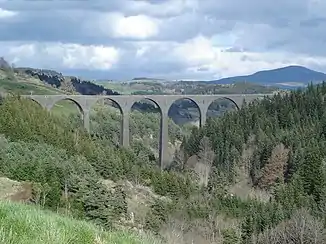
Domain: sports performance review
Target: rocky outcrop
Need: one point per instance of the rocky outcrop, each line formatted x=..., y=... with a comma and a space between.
x=15, y=191
x=47, y=76
x=139, y=198
x=57, y=80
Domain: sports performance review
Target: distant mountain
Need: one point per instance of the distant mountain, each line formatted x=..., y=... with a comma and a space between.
x=286, y=76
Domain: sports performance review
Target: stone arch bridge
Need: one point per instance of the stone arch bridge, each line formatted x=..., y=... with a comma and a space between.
x=125, y=103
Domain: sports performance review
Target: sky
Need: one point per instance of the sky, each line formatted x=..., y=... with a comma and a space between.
x=169, y=39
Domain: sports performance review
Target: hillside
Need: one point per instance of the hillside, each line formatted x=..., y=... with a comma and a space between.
x=40, y=81
x=273, y=151
x=25, y=224
x=82, y=177
x=24, y=85
x=253, y=176
x=297, y=75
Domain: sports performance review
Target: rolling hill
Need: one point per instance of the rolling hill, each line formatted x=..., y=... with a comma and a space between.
x=290, y=76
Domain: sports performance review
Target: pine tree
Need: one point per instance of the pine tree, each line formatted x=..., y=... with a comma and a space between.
x=312, y=173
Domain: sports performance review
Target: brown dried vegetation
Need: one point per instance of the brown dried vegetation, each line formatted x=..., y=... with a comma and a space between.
x=273, y=171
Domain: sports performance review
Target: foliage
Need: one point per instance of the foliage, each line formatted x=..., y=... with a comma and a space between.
x=287, y=137
x=26, y=224
x=278, y=144
x=106, y=124
x=46, y=150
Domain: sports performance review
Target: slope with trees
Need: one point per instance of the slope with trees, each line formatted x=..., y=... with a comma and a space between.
x=273, y=150
x=277, y=145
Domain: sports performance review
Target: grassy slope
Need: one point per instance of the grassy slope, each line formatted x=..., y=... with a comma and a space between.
x=21, y=224
x=25, y=85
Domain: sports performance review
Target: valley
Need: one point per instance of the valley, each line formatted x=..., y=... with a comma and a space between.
x=250, y=176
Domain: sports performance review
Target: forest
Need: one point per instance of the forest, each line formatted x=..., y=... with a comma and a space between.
x=256, y=175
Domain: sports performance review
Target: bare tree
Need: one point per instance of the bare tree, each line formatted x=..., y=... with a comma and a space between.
x=206, y=157
x=301, y=228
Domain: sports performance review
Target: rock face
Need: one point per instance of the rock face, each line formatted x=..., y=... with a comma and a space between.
x=15, y=191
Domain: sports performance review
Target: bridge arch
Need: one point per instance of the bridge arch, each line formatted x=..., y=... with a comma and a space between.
x=36, y=102
x=138, y=100
x=66, y=106
x=149, y=134
x=232, y=101
x=174, y=108
x=115, y=103
x=79, y=106
x=142, y=103
x=215, y=106
x=105, y=121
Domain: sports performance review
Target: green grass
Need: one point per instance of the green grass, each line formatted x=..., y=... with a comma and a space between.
x=22, y=224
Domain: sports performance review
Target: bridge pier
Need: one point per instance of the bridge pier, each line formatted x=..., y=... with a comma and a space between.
x=125, y=130
x=86, y=120
x=164, y=140
x=202, y=120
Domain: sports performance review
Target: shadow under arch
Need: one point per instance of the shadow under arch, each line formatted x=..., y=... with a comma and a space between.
x=103, y=120
x=217, y=104
x=183, y=103
x=147, y=107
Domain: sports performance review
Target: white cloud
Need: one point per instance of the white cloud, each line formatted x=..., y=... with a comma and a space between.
x=200, y=39
x=200, y=55
x=59, y=55
x=6, y=13
x=197, y=51
x=163, y=8
x=120, y=26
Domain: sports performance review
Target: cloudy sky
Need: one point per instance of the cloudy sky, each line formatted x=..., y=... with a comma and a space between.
x=172, y=39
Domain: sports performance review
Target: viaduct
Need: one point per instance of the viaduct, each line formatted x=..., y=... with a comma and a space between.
x=125, y=103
